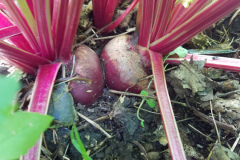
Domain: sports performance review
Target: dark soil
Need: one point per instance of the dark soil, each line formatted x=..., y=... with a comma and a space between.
x=124, y=127
x=130, y=140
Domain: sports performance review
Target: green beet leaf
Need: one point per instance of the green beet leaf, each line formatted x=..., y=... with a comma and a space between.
x=144, y=93
x=20, y=131
x=151, y=103
x=8, y=90
x=180, y=51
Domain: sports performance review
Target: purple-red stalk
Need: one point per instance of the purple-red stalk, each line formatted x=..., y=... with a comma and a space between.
x=9, y=32
x=159, y=36
x=30, y=5
x=18, y=40
x=43, y=21
x=200, y=21
x=22, y=24
x=229, y=64
x=182, y=14
x=33, y=50
x=39, y=103
x=151, y=29
x=165, y=106
x=59, y=23
x=1, y=6
x=103, y=13
x=73, y=17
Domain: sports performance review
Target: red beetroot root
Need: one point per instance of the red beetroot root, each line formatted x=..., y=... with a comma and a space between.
x=123, y=66
x=87, y=65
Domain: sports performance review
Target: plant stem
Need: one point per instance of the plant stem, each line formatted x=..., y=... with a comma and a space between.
x=39, y=103
x=142, y=120
x=173, y=136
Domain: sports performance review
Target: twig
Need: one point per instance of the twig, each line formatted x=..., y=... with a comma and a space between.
x=201, y=133
x=100, y=144
x=151, y=76
x=139, y=95
x=221, y=125
x=180, y=103
x=73, y=65
x=232, y=18
x=210, y=154
x=98, y=151
x=46, y=152
x=64, y=156
x=131, y=94
x=87, y=39
x=228, y=145
x=54, y=134
x=94, y=32
x=110, y=37
x=169, y=69
x=44, y=141
x=64, y=80
x=94, y=124
x=142, y=149
x=147, y=110
x=147, y=77
x=186, y=119
x=63, y=71
x=96, y=120
x=220, y=120
x=209, y=120
x=235, y=143
x=219, y=140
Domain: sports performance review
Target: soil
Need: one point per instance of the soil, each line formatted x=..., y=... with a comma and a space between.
x=131, y=141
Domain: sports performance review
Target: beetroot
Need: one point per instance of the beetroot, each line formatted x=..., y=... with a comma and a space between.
x=87, y=65
x=123, y=66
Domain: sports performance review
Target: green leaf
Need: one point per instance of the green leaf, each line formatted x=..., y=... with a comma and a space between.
x=78, y=143
x=9, y=88
x=151, y=103
x=180, y=51
x=61, y=105
x=75, y=144
x=20, y=131
x=186, y=3
x=28, y=16
x=145, y=93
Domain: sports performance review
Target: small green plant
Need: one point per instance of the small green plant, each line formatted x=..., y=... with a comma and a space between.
x=180, y=51
x=19, y=130
x=151, y=103
x=77, y=142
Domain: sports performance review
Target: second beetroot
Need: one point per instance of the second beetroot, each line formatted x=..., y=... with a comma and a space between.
x=88, y=66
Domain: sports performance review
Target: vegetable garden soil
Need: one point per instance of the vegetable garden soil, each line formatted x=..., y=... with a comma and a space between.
x=117, y=115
